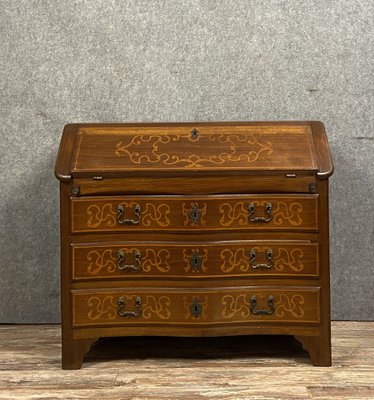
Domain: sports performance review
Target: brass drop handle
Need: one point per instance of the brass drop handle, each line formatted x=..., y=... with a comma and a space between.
x=253, y=256
x=123, y=221
x=268, y=213
x=121, y=303
x=121, y=262
x=253, y=306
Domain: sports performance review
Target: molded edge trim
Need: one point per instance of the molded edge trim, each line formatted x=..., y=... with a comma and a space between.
x=65, y=153
x=323, y=154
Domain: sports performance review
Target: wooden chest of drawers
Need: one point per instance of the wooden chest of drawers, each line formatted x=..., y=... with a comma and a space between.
x=194, y=229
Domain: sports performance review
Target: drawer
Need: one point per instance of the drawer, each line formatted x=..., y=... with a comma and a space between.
x=209, y=306
x=192, y=213
x=195, y=260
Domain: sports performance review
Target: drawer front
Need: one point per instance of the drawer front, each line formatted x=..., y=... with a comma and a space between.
x=186, y=213
x=196, y=260
x=219, y=305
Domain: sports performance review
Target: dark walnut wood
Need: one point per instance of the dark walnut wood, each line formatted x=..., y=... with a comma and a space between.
x=194, y=229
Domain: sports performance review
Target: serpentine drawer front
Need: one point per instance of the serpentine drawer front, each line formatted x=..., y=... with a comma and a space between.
x=171, y=306
x=255, y=212
x=194, y=229
x=196, y=260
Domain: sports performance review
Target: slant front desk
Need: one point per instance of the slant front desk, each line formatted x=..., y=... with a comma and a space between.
x=194, y=229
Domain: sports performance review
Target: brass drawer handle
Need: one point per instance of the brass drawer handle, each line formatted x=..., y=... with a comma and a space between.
x=196, y=308
x=268, y=213
x=121, y=262
x=123, y=221
x=122, y=305
x=253, y=306
x=252, y=259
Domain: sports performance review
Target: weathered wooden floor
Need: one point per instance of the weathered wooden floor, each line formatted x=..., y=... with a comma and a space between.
x=170, y=368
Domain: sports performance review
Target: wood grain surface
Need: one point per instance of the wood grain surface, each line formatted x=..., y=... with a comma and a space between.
x=193, y=147
x=167, y=306
x=173, y=213
x=141, y=260
x=249, y=367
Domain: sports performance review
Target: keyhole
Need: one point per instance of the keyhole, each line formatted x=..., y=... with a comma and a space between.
x=195, y=215
x=195, y=261
x=195, y=308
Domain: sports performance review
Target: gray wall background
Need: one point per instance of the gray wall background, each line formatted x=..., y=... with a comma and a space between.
x=179, y=60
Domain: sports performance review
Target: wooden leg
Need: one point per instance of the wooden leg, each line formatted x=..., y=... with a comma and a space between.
x=73, y=352
x=318, y=348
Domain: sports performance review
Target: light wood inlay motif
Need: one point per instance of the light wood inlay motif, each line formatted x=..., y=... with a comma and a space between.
x=284, y=259
x=290, y=213
x=99, y=216
x=155, y=214
x=238, y=213
x=186, y=210
x=290, y=305
x=189, y=300
x=101, y=307
x=106, y=308
x=156, y=149
x=202, y=254
x=289, y=259
x=106, y=215
x=156, y=259
x=99, y=261
x=153, y=306
x=233, y=259
x=107, y=260
x=285, y=306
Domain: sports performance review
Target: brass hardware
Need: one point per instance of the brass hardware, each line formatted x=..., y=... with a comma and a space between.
x=122, y=305
x=195, y=133
x=196, y=308
x=290, y=175
x=194, y=215
x=120, y=214
x=97, y=178
x=195, y=261
x=75, y=190
x=121, y=262
x=268, y=212
x=252, y=259
x=253, y=306
x=313, y=187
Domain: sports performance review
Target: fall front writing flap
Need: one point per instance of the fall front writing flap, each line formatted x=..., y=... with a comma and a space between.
x=201, y=147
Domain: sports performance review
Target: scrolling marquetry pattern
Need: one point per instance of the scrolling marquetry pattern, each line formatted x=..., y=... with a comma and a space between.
x=99, y=260
x=186, y=210
x=203, y=255
x=106, y=215
x=160, y=149
x=189, y=300
x=284, y=259
x=238, y=213
x=106, y=308
x=285, y=306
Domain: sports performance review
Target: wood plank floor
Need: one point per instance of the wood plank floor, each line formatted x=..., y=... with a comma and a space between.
x=235, y=368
